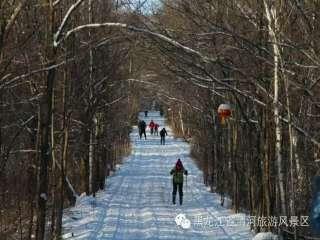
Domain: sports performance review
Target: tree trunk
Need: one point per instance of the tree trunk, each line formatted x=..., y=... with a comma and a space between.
x=91, y=142
x=273, y=26
x=91, y=99
x=45, y=122
x=63, y=157
x=181, y=121
x=55, y=174
x=265, y=143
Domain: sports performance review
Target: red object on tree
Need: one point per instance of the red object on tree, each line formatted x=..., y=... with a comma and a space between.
x=224, y=111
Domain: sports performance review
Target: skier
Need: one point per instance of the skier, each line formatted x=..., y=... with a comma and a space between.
x=161, y=112
x=146, y=113
x=151, y=126
x=156, y=127
x=142, y=129
x=177, y=181
x=163, y=134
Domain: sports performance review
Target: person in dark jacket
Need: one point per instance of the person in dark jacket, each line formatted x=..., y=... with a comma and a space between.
x=163, y=134
x=161, y=112
x=142, y=129
x=156, y=127
x=145, y=113
x=177, y=181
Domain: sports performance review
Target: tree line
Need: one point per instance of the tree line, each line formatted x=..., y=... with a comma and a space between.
x=66, y=111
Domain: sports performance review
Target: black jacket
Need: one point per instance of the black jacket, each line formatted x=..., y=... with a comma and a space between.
x=142, y=125
x=163, y=132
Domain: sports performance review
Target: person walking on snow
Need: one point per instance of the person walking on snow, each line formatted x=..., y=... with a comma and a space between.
x=156, y=127
x=161, y=112
x=177, y=180
x=151, y=126
x=163, y=134
x=142, y=129
x=145, y=113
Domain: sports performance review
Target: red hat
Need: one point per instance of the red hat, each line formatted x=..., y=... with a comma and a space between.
x=179, y=164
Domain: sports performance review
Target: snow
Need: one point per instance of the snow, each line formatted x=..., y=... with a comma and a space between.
x=136, y=203
x=265, y=236
x=44, y=196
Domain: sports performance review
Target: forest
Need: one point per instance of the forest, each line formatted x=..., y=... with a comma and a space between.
x=75, y=73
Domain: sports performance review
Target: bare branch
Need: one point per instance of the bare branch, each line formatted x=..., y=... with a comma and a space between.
x=55, y=3
x=13, y=80
x=186, y=49
x=14, y=15
x=65, y=19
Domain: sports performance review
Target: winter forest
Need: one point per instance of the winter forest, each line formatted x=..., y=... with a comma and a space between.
x=74, y=75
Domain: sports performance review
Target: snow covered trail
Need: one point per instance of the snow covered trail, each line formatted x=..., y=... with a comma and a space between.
x=136, y=203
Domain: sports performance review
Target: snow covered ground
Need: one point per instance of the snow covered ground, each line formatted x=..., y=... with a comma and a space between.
x=136, y=203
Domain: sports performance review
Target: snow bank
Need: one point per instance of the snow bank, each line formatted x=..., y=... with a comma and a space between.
x=265, y=236
x=84, y=200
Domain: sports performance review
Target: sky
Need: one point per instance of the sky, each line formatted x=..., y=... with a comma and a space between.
x=145, y=6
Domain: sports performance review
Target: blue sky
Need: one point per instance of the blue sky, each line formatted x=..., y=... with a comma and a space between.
x=146, y=6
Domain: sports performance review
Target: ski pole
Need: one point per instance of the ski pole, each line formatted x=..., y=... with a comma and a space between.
x=186, y=183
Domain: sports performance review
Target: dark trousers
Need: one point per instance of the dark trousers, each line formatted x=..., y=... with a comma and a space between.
x=142, y=131
x=179, y=187
x=156, y=132
x=151, y=131
x=162, y=140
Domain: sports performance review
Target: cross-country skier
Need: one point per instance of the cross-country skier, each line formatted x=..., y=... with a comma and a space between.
x=156, y=127
x=161, y=112
x=142, y=129
x=163, y=134
x=177, y=181
x=151, y=126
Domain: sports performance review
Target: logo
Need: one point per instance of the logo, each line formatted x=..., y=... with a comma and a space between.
x=182, y=221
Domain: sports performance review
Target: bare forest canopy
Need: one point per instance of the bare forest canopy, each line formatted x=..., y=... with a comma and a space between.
x=75, y=73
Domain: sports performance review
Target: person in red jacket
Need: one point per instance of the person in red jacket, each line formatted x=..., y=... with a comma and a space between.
x=151, y=126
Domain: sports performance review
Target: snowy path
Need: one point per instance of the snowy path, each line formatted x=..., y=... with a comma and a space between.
x=137, y=201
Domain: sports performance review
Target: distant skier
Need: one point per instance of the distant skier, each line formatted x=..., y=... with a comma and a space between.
x=146, y=113
x=142, y=129
x=163, y=134
x=151, y=126
x=161, y=112
x=177, y=181
x=156, y=127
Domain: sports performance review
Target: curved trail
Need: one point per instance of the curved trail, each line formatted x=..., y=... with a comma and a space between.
x=137, y=201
